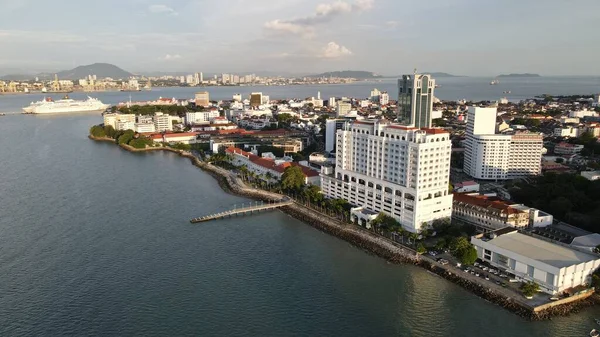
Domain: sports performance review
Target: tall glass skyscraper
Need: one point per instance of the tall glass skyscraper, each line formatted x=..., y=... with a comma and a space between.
x=415, y=100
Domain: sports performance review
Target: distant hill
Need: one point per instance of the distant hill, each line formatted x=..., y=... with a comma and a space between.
x=434, y=74
x=519, y=75
x=440, y=74
x=349, y=74
x=101, y=70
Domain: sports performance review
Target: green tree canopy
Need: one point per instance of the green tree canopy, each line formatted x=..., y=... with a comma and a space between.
x=97, y=131
x=292, y=179
x=385, y=221
x=530, y=288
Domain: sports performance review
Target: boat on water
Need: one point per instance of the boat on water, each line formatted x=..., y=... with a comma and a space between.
x=594, y=333
x=494, y=82
x=597, y=321
x=506, y=92
x=65, y=105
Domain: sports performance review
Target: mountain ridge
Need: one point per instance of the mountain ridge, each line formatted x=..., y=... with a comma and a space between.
x=359, y=74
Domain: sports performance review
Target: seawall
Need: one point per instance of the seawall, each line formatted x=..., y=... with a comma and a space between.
x=381, y=246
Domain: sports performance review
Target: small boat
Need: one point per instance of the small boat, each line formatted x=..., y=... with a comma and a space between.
x=594, y=333
x=494, y=82
x=506, y=92
x=597, y=321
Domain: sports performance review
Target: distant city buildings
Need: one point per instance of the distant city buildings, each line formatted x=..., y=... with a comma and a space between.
x=415, y=100
x=491, y=156
x=401, y=171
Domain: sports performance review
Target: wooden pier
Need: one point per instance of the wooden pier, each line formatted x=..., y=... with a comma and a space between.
x=256, y=207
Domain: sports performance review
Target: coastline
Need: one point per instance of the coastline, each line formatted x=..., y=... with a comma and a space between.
x=380, y=246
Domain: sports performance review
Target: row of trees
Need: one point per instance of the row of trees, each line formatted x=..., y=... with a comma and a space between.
x=568, y=197
x=173, y=110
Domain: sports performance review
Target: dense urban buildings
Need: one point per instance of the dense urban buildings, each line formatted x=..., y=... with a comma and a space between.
x=491, y=156
x=401, y=171
x=415, y=100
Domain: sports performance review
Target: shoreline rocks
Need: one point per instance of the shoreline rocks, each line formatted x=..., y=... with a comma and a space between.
x=371, y=242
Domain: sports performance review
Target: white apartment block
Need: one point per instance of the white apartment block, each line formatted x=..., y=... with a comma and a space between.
x=401, y=171
x=343, y=108
x=120, y=121
x=384, y=98
x=567, y=131
x=162, y=122
x=202, y=117
x=489, y=156
x=144, y=127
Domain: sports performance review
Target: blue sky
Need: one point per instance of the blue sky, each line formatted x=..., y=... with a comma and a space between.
x=469, y=37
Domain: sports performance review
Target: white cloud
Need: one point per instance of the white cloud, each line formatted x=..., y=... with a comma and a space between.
x=392, y=24
x=363, y=5
x=162, y=9
x=170, y=57
x=290, y=27
x=324, y=13
x=334, y=50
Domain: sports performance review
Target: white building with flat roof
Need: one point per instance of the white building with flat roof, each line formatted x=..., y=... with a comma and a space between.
x=342, y=108
x=591, y=175
x=120, y=121
x=401, y=171
x=491, y=156
x=554, y=267
x=200, y=117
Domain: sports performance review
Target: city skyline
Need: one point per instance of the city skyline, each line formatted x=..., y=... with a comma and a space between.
x=383, y=36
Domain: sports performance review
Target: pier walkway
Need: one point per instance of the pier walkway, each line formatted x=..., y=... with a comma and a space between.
x=257, y=207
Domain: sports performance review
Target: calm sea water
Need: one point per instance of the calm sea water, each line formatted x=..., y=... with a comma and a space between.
x=95, y=241
x=451, y=88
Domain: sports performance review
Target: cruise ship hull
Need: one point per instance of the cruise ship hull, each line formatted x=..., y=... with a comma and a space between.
x=62, y=111
x=66, y=105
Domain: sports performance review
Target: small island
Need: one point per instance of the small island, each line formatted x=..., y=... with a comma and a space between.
x=359, y=74
x=519, y=75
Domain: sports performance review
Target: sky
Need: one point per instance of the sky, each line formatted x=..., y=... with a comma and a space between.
x=389, y=37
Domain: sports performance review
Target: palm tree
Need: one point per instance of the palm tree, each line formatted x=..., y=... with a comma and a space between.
x=244, y=171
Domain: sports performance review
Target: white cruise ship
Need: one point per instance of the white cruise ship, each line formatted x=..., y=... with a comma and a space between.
x=65, y=105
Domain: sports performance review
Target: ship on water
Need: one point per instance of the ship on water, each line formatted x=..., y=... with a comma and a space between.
x=65, y=105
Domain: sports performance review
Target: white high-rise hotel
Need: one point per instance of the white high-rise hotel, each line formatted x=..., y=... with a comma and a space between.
x=492, y=156
x=400, y=170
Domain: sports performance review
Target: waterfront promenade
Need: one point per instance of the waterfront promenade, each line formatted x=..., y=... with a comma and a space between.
x=388, y=249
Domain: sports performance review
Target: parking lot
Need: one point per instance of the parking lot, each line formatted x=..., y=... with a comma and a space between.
x=490, y=277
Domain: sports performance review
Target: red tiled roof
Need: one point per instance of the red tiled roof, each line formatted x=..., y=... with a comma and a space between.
x=270, y=163
x=181, y=134
x=402, y=127
x=485, y=202
x=434, y=131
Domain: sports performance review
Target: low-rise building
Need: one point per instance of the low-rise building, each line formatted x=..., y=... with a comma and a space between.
x=567, y=131
x=174, y=138
x=201, y=117
x=466, y=186
x=567, y=148
x=269, y=166
x=591, y=175
x=491, y=213
x=555, y=268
